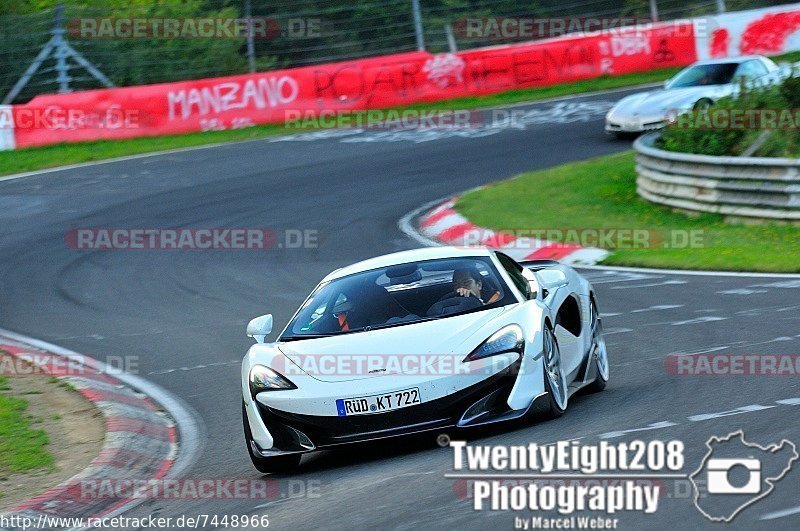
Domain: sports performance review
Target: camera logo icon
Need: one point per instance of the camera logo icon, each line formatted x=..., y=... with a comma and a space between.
x=719, y=472
x=736, y=473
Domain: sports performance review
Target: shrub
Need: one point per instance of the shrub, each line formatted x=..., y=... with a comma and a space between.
x=689, y=135
x=790, y=90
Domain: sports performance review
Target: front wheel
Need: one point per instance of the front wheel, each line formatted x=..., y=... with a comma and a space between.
x=703, y=104
x=267, y=465
x=625, y=135
x=555, y=382
x=597, y=352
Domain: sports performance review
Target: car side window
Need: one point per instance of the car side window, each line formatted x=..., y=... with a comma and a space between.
x=742, y=71
x=751, y=70
x=759, y=69
x=515, y=272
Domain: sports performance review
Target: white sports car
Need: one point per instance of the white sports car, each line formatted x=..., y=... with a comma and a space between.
x=432, y=339
x=695, y=87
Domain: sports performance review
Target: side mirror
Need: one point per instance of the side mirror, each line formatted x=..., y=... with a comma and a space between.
x=550, y=279
x=533, y=284
x=260, y=327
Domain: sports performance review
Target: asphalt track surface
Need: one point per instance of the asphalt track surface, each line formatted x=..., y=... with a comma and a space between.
x=182, y=313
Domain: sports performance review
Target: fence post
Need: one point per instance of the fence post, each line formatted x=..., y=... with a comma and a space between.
x=251, y=47
x=451, y=40
x=60, y=50
x=418, y=25
x=654, y=10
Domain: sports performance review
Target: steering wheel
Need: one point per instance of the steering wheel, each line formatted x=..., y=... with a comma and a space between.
x=454, y=304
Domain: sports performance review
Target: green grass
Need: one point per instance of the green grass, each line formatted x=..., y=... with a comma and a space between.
x=68, y=386
x=791, y=57
x=63, y=154
x=601, y=193
x=21, y=447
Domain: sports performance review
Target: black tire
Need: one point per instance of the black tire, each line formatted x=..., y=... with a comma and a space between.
x=702, y=104
x=596, y=386
x=599, y=382
x=553, y=410
x=267, y=465
x=625, y=135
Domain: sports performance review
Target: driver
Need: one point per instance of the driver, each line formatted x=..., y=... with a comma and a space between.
x=467, y=293
x=468, y=282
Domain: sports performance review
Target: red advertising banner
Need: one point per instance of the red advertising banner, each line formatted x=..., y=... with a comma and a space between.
x=242, y=101
x=373, y=83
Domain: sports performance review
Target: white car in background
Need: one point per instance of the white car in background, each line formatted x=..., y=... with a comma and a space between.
x=695, y=87
x=447, y=338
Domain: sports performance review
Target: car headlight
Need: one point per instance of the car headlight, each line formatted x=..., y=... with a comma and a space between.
x=265, y=379
x=508, y=339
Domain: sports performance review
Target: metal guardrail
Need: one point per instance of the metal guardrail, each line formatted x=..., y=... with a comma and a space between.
x=747, y=187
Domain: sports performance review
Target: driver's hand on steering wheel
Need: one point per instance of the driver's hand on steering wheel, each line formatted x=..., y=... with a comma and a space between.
x=464, y=292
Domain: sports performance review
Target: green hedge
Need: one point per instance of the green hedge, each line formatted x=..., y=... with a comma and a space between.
x=695, y=133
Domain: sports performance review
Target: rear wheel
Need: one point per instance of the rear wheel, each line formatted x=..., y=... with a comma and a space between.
x=267, y=465
x=597, y=351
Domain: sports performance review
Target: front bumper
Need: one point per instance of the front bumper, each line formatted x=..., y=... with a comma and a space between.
x=479, y=404
x=614, y=125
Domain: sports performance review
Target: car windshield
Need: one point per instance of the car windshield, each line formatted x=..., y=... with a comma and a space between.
x=400, y=294
x=701, y=75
